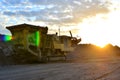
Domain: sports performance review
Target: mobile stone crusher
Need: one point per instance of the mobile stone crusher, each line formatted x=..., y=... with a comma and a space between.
x=32, y=43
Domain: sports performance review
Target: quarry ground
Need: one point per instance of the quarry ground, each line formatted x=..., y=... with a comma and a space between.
x=94, y=69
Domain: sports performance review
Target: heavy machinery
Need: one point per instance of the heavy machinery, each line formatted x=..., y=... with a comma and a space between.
x=32, y=43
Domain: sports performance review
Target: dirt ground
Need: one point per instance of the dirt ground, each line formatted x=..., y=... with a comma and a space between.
x=95, y=69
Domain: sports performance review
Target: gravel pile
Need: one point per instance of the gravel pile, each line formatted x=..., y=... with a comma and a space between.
x=5, y=52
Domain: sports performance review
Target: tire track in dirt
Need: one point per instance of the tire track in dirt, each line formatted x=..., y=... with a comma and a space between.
x=106, y=74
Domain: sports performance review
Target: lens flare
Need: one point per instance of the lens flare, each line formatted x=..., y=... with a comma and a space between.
x=37, y=36
x=5, y=38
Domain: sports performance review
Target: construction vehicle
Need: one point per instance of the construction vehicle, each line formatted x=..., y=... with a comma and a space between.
x=33, y=43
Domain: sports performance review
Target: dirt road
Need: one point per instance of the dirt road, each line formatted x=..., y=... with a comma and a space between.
x=92, y=70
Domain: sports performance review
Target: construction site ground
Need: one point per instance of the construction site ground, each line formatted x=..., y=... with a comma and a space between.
x=94, y=69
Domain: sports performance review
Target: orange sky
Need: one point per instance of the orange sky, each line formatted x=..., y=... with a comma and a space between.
x=102, y=28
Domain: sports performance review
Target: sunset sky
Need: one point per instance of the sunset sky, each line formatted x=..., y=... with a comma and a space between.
x=95, y=21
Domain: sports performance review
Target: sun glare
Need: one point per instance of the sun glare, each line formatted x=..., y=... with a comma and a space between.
x=101, y=29
x=101, y=45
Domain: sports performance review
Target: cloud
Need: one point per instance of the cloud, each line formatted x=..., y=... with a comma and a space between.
x=73, y=11
x=51, y=12
x=10, y=2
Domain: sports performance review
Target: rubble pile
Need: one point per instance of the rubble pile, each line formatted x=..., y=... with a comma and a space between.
x=5, y=53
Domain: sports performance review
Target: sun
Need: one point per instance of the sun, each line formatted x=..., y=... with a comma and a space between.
x=101, y=29
x=101, y=45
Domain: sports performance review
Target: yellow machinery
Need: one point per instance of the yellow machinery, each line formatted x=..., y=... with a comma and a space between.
x=33, y=43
